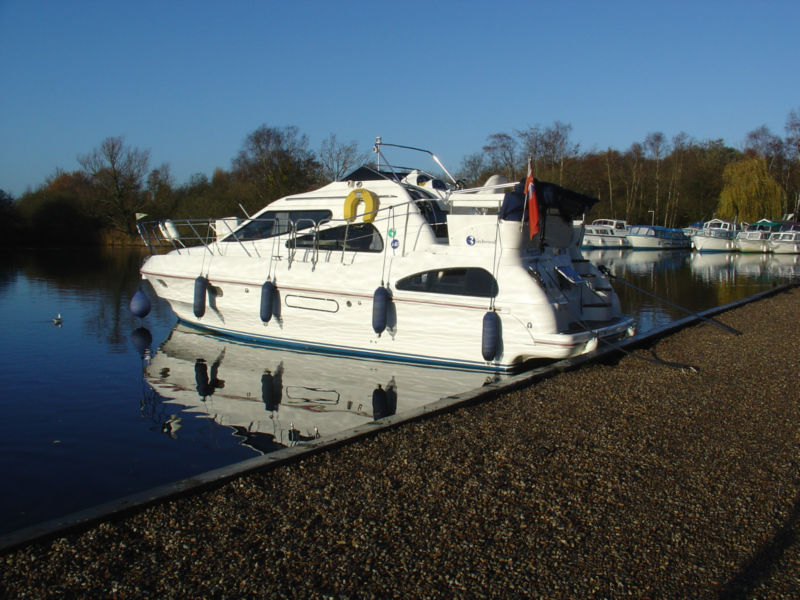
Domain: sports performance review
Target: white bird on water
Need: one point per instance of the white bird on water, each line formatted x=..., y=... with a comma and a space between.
x=57, y=320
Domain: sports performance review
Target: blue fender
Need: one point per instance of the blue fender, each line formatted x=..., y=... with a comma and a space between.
x=140, y=304
x=267, y=298
x=380, y=309
x=490, y=337
x=200, y=288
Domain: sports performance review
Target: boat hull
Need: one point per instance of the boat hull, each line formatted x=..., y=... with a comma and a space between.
x=655, y=237
x=600, y=242
x=785, y=247
x=654, y=243
x=601, y=236
x=421, y=328
x=704, y=243
x=753, y=246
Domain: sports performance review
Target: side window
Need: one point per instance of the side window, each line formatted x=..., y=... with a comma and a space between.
x=256, y=229
x=358, y=237
x=272, y=223
x=469, y=281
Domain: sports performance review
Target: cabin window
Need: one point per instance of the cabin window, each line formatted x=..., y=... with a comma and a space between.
x=642, y=231
x=278, y=222
x=470, y=281
x=358, y=237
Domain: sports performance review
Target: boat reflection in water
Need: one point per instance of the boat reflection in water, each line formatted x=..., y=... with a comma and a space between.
x=785, y=266
x=637, y=262
x=717, y=267
x=276, y=398
x=688, y=279
x=751, y=264
x=713, y=267
x=725, y=267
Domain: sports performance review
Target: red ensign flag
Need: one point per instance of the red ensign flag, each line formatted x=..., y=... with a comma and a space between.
x=533, y=205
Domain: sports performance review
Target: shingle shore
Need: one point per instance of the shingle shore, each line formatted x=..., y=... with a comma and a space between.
x=632, y=478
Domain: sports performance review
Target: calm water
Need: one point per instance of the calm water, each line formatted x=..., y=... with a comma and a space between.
x=106, y=404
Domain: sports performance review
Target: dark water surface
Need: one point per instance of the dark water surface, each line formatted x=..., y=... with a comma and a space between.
x=106, y=404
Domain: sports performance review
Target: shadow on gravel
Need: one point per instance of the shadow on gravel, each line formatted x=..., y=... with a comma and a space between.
x=763, y=563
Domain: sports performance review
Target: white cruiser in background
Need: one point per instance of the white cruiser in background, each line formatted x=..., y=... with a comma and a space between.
x=716, y=235
x=786, y=241
x=755, y=238
x=606, y=233
x=392, y=264
x=600, y=236
x=656, y=237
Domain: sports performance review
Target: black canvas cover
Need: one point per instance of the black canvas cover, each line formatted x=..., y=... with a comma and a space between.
x=570, y=205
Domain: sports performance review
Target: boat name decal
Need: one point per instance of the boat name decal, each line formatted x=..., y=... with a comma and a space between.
x=472, y=241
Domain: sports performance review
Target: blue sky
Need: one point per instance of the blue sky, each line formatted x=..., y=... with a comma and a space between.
x=189, y=80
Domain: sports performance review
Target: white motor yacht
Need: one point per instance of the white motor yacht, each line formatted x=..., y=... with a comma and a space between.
x=392, y=264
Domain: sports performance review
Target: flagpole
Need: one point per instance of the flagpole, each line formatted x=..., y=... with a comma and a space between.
x=524, y=200
x=531, y=198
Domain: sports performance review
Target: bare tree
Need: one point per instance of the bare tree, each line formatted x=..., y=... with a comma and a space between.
x=793, y=134
x=473, y=170
x=680, y=144
x=612, y=158
x=276, y=162
x=549, y=147
x=655, y=145
x=558, y=147
x=778, y=155
x=634, y=159
x=765, y=144
x=533, y=144
x=792, y=146
x=337, y=159
x=117, y=173
x=159, y=184
x=502, y=151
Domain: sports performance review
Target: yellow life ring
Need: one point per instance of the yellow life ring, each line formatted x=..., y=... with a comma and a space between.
x=355, y=198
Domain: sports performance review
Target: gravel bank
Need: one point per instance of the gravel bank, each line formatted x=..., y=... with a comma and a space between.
x=630, y=478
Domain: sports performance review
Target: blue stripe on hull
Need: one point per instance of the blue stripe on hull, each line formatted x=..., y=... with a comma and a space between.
x=411, y=359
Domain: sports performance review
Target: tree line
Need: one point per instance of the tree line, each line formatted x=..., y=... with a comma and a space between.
x=671, y=182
